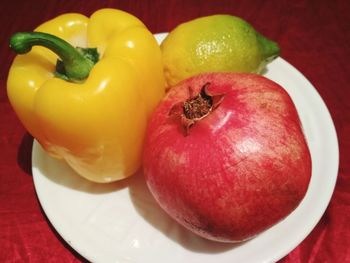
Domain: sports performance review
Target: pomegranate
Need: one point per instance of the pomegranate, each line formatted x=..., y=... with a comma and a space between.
x=225, y=155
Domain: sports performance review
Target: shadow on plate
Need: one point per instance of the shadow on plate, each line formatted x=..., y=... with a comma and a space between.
x=147, y=207
x=60, y=173
x=65, y=243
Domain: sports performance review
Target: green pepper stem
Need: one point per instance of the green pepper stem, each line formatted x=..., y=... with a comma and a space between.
x=77, y=67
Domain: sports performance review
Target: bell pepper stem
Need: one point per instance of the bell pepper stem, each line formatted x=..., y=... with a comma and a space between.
x=76, y=66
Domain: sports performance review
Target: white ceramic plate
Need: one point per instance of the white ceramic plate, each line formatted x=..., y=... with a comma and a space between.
x=121, y=222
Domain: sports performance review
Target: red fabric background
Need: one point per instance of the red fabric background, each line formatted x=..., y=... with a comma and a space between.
x=314, y=36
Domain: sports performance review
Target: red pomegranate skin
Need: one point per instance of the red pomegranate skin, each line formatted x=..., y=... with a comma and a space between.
x=239, y=170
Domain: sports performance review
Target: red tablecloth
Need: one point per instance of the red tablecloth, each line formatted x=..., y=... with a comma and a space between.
x=314, y=36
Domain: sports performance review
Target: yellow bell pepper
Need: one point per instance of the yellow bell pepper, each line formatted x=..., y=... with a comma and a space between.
x=91, y=114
